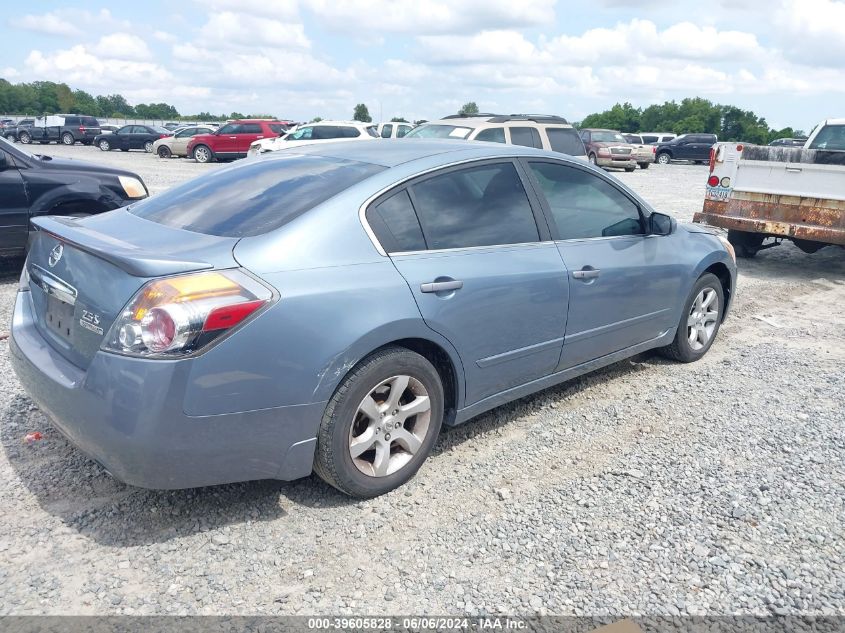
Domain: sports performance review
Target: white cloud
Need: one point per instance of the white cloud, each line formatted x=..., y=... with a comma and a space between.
x=164, y=36
x=486, y=47
x=227, y=28
x=68, y=22
x=122, y=46
x=431, y=16
x=812, y=31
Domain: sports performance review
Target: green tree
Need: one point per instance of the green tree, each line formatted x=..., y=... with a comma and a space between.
x=361, y=113
x=85, y=103
x=316, y=119
x=398, y=119
x=65, y=98
x=622, y=117
x=468, y=109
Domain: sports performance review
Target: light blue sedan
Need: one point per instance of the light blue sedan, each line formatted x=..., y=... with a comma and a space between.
x=330, y=309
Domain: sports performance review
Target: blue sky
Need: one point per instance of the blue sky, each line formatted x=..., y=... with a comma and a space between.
x=784, y=59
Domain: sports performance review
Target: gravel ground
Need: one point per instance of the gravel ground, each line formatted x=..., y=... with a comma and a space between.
x=646, y=488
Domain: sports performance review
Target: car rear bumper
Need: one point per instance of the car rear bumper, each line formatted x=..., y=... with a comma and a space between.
x=128, y=415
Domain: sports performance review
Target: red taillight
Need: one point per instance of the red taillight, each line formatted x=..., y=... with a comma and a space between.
x=712, y=159
x=82, y=128
x=163, y=135
x=158, y=329
x=225, y=317
x=739, y=148
x=653, y=149
x=713, y=181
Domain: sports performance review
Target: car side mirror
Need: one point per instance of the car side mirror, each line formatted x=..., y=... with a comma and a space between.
x=661, y=224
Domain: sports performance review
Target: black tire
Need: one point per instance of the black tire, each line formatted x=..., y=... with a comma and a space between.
x=333, y=462
x=644, y=165
x=25, y=138
x=203, y=154
x=592, y=159
x=680, y=349
x=67, y=139
x=148, y=147
x=698, y=162
x=664, y=158
x=104, y=145
x=164, y=152
x=10, y=138
x=745, y=244
x=630, y=169
x=124, y=149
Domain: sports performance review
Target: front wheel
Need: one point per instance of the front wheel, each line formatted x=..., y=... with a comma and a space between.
x=380, y=424
x=664, y=158
x=630, y=169
x=164, y=152
x=104, y=145
x=592, y=159
x=67, y=138
x=10, y=138
x=148, y=147
x=700, y=321
x=202, y=154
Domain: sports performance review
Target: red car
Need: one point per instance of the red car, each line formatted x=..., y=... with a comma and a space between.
x=233, y=139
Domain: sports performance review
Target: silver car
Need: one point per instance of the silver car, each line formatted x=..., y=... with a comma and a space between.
x=329, y=309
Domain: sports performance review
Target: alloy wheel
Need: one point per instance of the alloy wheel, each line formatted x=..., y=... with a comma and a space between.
x=202, y=155
x=390, y=426
x=104, y=145
x=703, y=318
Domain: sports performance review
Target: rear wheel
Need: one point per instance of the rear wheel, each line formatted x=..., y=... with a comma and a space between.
x=203, y=154
x=700, y=321
x=631, y=168
x=148, y=147
x=25, y=138
x=745, y=244
x=104, y=145
x=164, y=152
x=592, y=159
x=643, y=165
x=67, y=138
x=663, y=158
x=380, y=424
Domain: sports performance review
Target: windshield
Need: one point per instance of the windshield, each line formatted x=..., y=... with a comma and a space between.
x=160, y=130
x=15, y=150
x=633, y=138
x=439, y=131
x=253, y=198
x=607, y=137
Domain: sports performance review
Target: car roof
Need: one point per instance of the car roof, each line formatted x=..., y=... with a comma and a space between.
x=602, y=129
x=393, y=152
x=337, y=122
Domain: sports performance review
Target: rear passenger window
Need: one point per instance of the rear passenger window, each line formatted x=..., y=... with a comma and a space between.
x=527, y=136
x=250, y=128
x=493, y=135
x=649, y=139
x=395, y=224
x=403, y=130
x=566, y=141
x=480, y=206
x=349, y=132
x=584, y=205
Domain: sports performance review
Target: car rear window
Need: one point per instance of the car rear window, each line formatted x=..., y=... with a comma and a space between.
x=90, y=121
x=254, y=197
x=566, y=141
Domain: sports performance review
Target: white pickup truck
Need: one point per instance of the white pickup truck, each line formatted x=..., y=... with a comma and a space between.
x=764, y=195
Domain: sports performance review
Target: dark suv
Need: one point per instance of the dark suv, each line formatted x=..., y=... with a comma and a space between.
x=10, y=132
x=67, y=129
x=694, y=147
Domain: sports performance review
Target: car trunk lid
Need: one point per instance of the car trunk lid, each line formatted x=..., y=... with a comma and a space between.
x=83, y=272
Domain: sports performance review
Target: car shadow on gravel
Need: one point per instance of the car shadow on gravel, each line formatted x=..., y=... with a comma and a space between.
x=787, y=262
x=77, y=490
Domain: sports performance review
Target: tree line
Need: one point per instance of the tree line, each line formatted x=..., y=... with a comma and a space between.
x=47, y=97
x=728, y=122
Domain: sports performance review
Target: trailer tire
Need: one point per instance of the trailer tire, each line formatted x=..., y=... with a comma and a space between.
x=745, y=244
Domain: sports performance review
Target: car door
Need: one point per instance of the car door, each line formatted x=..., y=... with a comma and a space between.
x=227, y=138
x=179, y=144
x=248, y=134
x=623, y=283
x=482, y=270
x=387, y=130
x=14, y=206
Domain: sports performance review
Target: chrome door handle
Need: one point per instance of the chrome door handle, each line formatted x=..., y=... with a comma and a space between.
x=441, y=286
x=589, y=273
